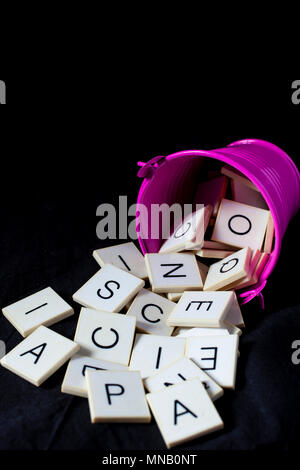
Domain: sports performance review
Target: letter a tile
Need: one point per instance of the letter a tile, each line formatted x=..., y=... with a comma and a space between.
x=110, y=289
x=39, y=355
x=184, y=412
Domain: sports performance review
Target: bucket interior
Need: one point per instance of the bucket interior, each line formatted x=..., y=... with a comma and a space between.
x=176, y=181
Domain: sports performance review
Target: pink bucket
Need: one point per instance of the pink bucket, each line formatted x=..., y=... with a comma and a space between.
x=173, y=179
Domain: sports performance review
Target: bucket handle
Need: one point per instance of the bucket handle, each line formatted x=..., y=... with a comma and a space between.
x=147, y=168
x=249, y=295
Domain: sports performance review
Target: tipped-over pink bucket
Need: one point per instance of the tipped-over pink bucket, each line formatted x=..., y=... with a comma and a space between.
x=174, y=178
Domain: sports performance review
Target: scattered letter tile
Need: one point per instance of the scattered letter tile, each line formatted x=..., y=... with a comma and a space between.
x=105, y=335
x=201, y=309
x=189, y=234
x=151, y=311
x=117, y=396
x=39, y=355
x=224, y=273
x=45, y=307
x=234, y=314
x=233, y=173
x=151, y=353
x=211, y=245
x=240, y=225
x=268, y=242
x=259, y=267
x=179, y=371
x=184, y=412
x=217, y=254
x=110, y=289
x=174, y=272
x=174, y=296
x=75, y=378
x=186, y=332
x=125, y=256
x=232, y=329
x=216, y=355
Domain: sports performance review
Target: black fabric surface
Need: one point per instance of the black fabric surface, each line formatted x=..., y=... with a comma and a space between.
x=263, y=411
x=49, y=196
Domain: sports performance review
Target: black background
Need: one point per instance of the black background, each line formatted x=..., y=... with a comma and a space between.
x=68, y=146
